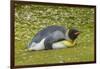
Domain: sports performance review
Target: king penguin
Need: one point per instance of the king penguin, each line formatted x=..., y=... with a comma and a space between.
x=53, y=37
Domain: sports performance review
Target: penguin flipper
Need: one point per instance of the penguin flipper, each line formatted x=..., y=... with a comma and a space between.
x=52, y=38
x=48, y=43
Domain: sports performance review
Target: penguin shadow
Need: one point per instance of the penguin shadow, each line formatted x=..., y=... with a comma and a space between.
x=50, y=49
x=37, y=50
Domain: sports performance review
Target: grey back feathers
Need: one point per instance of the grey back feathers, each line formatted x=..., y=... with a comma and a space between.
x=47, y=31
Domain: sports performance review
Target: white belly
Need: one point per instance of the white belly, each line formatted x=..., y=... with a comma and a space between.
x=58, y=45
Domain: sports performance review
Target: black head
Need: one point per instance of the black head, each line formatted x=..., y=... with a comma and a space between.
x=73, y=33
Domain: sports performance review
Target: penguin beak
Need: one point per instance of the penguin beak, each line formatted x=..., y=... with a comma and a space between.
x=77, y=33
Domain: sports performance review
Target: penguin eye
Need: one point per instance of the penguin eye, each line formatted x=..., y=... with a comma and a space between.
x=77, y=33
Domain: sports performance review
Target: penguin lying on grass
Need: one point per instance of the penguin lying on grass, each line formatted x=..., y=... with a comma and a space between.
x=53, y=37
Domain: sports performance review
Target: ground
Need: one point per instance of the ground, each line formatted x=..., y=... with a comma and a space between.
x=31, y=18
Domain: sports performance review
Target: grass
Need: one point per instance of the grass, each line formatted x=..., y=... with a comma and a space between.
x=29, y=19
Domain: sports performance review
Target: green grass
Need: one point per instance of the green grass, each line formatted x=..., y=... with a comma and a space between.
x=29, y=19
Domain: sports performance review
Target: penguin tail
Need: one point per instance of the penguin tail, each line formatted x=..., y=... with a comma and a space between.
x=30, y=45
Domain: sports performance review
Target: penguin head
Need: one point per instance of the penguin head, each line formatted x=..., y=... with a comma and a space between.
x=73, y=33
